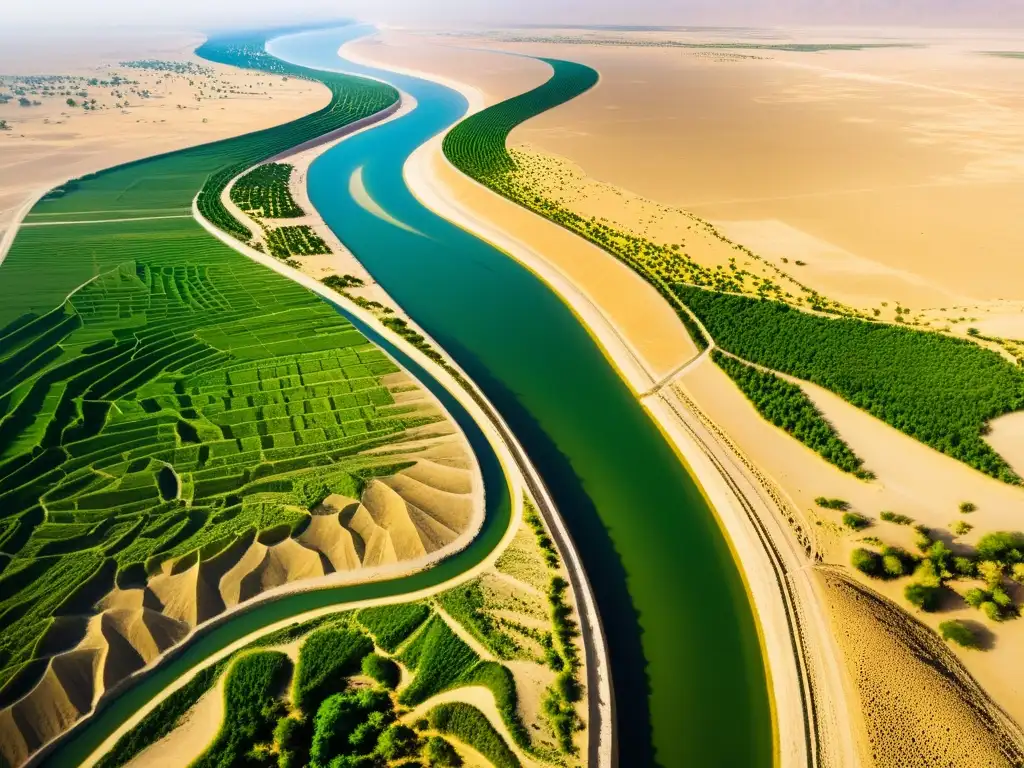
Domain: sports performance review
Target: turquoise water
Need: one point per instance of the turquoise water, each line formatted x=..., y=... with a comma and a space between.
x=689, y=680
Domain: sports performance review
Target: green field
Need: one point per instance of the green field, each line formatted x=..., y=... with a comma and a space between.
x=940, y=390
x=264, y=192
x=285, y=242
x=163, y=397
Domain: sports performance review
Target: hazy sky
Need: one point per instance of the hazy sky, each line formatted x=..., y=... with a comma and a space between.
x=974, y=13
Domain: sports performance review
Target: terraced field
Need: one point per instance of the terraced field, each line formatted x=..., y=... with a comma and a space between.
x=182, y=429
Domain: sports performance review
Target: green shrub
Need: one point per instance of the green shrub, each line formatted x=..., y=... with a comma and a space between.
x=964, y=566
x=959, y=633
x=974, y=597
x=924, y=597
x=922, y=538
x=339, y=718
x=966, y=507
x=866, y=561
x=1001, y=546
x=893, y=565
x=855, y=521
x=893, y=517
x=827, y=503
x=961, y=527
x=991, y=610
x=381, y=669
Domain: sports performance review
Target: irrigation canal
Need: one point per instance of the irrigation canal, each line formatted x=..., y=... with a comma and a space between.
x=690, y=683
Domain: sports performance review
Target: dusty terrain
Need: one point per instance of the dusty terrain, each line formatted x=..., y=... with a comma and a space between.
x=757, y=148
x=152, y=111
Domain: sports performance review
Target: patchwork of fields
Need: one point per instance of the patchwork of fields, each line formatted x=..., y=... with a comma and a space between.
x=182, y=429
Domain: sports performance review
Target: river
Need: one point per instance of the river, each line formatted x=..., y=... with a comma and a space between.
x=690, y=683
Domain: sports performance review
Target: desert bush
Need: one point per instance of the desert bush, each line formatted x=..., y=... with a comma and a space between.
x=959, y=633
x=893, y=517
x=923, y=596
x=974, y=597
x=855, y=521
x=1001, y=546
x=966, y=507
x=828, y=503
x=866, y=561
x=961, y=527
x=991, y=610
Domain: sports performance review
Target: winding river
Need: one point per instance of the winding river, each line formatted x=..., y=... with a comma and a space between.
x=689, y=680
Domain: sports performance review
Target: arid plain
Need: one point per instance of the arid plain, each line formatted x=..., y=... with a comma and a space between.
x=884, y=178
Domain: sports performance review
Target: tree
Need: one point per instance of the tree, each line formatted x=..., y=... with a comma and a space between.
x=975, y=597
x=1002, y=546
x=72, y=103
x=959, y=633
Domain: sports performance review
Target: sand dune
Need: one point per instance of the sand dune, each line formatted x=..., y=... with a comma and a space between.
x=187, y=596
x=920, y=705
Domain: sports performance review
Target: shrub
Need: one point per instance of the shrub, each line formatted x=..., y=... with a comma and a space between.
x=866, y=561
x=893, y=565
x=381, y=669
x=855, y=521
x=1001, y=598
x=893, y=517
x=922, y=539
x=966, y=507
x=440, y=753
x=974, y=597
x=961, y=527
x=827, y=503
x=1001, y=546
x=924, y=597
x=991, y=610
x=991, y=572
x=1017, y=573
x=959, y=633
x=964, y=566
x=340, y=717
